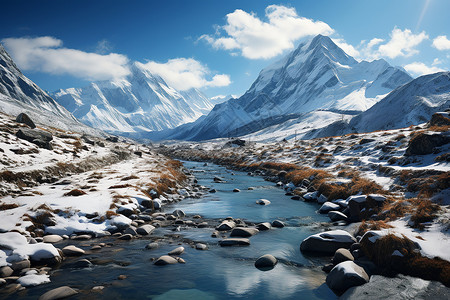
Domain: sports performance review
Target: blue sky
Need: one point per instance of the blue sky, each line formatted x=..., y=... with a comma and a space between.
x=217, y=46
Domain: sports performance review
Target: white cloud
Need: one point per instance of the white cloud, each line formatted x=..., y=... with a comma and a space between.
x=419, y=68
x=255, y=38
x=441, y=43
x=402, y=43
x=186, y=73
x=46, y=54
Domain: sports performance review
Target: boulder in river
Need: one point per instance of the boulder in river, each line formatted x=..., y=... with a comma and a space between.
x=262, y=202
x=226, y=225
x=145, y=229
x=345, y=275
x=234, y=242
x=266, y=262
x=243, y=232
x=264, y=226
x=277, y=224
x=71, y=250
x=176, y=251
x=58, y=293
x=337, y=216
x=165, y=260
x=327, y=242
x=327, y=207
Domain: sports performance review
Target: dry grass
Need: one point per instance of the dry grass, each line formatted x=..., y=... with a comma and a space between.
x=425, y=211
x=75, y=193
x=6, y=206
x=364, y=186
x=120, y=186
x=129, y=178
x=411, y=263
x=394, y=209
x=371, y=225
x=109, y=214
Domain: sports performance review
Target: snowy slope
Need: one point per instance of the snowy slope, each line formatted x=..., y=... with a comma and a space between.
x=410, y=104
x=19, y=94
x=141, y=102
x=318, y=75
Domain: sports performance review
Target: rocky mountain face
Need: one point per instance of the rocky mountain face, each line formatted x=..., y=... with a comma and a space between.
x=19, y=94
x=318, y=75
x=139, y=103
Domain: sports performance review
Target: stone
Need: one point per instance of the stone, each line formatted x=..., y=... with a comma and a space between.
x=322, y=199
x=38, y=137
x=264, y=226
x=266, y=262
x=126, y=211
x=277, y=224
x=176, y=251
x=342, y=255
x=424, y=143
x=130, y=230
x=125, y=237
x=145, y=229
x=179, y=213
x=82, y=263
x=262, y=202
x=165, y=260
x=226, y=225
x=327, y=268
x=72, y=251
x=6, y=271
x=53, y=238
x=234, y=242
x=96, y=247
x=58, y=293
x=345, y=275
x=81, y=237
x=152, y=246
x=327, y=242
x=200, y=246
x=20, y=265
x=243, y=232
x=327, y=207
x=236, y=190
x=212, y=191
x=23, y=118
x=337, y=216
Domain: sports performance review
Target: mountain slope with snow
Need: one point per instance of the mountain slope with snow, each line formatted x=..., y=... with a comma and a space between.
x=411, y=104
x=318, y=75
x=19, y=94
x=141, y=102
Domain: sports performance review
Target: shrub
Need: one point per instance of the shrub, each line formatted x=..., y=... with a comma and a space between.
x=371, y=225
x=426, y=211
x=6, y=206
x=75, y=192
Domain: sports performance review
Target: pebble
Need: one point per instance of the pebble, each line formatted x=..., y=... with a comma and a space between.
x=72, y=251
x=177, y=251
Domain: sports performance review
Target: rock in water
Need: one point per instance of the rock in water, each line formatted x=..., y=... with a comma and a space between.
x=226, y=225
x=327, y=242
x=262, y=202
x=165, y=260
x=58, y=293
x=266, y=262
x=234, y=242
x=177, y=251
x=346, y=275
x=277, y=224
x=25, y=119
x=243, y=232
x=72, y=251
x=145, y=229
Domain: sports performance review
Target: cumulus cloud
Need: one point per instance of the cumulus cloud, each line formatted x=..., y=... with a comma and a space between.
x=441, y=43
x=419, y=69
x=47, y=54
x=402, y=43
x=186, y=73
x=254, y=38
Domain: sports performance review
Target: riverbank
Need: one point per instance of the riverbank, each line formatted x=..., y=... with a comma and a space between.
x=401, y=196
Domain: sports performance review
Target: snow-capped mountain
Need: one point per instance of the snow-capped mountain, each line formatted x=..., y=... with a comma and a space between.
x=141, y=102
x=411, y=104
x=221, y=98
x=19, y=94
x=318, y=75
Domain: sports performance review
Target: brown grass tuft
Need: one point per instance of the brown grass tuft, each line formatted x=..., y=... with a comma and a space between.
x=75, y=192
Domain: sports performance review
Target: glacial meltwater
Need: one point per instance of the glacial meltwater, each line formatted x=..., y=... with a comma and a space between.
x=216, y=273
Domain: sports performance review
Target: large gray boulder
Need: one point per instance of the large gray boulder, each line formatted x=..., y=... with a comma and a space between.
x=165, y=260
x=25, y=119
x=327, y=242
x=345, y=275
x=226, y=225
x=38, y=137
